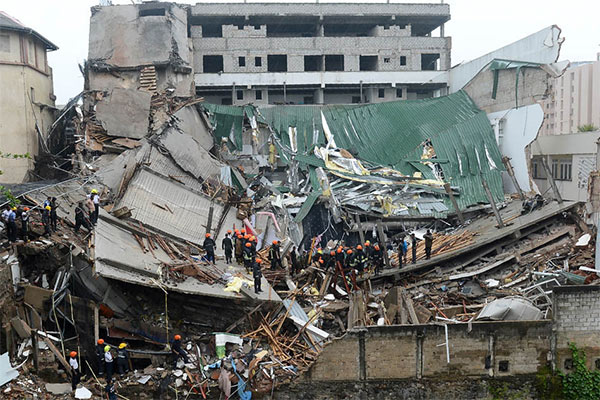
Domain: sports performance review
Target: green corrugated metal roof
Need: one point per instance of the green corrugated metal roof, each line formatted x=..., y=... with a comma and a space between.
x=390, y=133
x=225, y=120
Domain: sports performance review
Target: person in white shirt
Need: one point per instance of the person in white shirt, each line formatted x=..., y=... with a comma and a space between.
x=74, y=370
x=108, y=361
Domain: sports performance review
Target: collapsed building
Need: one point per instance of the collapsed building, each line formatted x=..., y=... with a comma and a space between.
x=171, y=167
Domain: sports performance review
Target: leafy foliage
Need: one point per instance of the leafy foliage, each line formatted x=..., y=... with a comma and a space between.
x=581, y=383
x=587, y=128
x=12, y=200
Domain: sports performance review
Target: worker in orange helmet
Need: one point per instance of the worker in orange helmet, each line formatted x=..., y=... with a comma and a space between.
x=177, y=351
x=239, y=249
x=209, y=247
x=74, y=370
x=248, y=257
x=257, y=275
x=227, y=246
x=275, y=255
x=100, y=357
x=377, y=259
x=243, y=231
x=361, y=260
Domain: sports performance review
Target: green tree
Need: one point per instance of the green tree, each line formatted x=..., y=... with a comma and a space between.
x=12, y=200
x=587, y=128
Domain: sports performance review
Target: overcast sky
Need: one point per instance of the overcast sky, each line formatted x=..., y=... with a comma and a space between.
x=477, y=27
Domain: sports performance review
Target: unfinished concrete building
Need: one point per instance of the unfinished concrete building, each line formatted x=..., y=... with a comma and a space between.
x=318, y=53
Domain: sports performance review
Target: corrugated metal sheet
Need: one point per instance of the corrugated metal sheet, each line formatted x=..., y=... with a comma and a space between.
x=226, y=122
x=392, y=133
x=165, y=166
x=190, y=209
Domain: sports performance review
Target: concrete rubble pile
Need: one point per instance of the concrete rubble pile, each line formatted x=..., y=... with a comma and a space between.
x=172, y=171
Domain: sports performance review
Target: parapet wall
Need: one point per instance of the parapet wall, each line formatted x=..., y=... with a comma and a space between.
x=476, y=350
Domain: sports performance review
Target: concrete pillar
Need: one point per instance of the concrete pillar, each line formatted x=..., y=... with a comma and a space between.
x=319, y=96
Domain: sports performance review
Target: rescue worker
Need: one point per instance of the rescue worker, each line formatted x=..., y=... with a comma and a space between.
x=252, y=240
x=239, y=249
x=74, y=370
x=248, y=257
x=209, y=247
x=377, y=259
x=361, y=259
x=227, y=245
x=293, y=261
x=100, y=357
x=108, y=363
x=275, y=255
x=111, y=391
x=340, y=258
x=122, y=359
x=47, y=202
x=95, y=197
x=402, y=249
x=330, y=261
x=5, y=213
x=89, y=206
x=351, y=262
x=46, y=220
x=25, y=224
x=12, y=225
x=177, y=351
x=428, y=243
x=257, y=275
x=413, y=247
x=81, y=218
x=53, y=215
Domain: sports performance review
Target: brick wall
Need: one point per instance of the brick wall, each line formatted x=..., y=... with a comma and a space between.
x=577, y=320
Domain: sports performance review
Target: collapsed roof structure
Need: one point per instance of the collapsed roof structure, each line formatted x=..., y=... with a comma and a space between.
x=171, y=168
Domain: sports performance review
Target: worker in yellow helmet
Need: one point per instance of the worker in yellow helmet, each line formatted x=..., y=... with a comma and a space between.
x=122, y=359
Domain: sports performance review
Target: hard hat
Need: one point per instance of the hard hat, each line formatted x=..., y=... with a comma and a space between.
x=26, y=209
x=332, y=253
x=367, y=243
x=321, y=261
x=95, y=191
x=252, y=238
x=359, y=247
x=274, y=241
x=106, y=348
x=320, y=251
x=349, y=251
x=240, y=236
x=237, y=231
x=207, y=235
x=246, y=237
x=48, y=208
x=14, y=208
x=248, y=244
x=376, y=247
x=243, y=230
x=177, y=337
x=229, y=231
x=122, y=345
x=258, y=261
x=73, y=354
x=100, y=341
x=339, y=250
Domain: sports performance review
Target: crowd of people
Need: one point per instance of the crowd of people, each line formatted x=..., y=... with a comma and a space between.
x=351, y=261
x=17, y=219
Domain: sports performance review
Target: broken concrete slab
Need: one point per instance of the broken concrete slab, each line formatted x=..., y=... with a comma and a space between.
x=7, y=372
x=125, y=112
x=119, y=38
x=189, y=121
x=58, y=388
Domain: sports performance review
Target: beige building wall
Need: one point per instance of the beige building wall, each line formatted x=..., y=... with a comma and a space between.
x=575, y=100
x=26, y=99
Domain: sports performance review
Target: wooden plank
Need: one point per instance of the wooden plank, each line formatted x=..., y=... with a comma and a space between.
x=58, y=354
x=409, y=306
